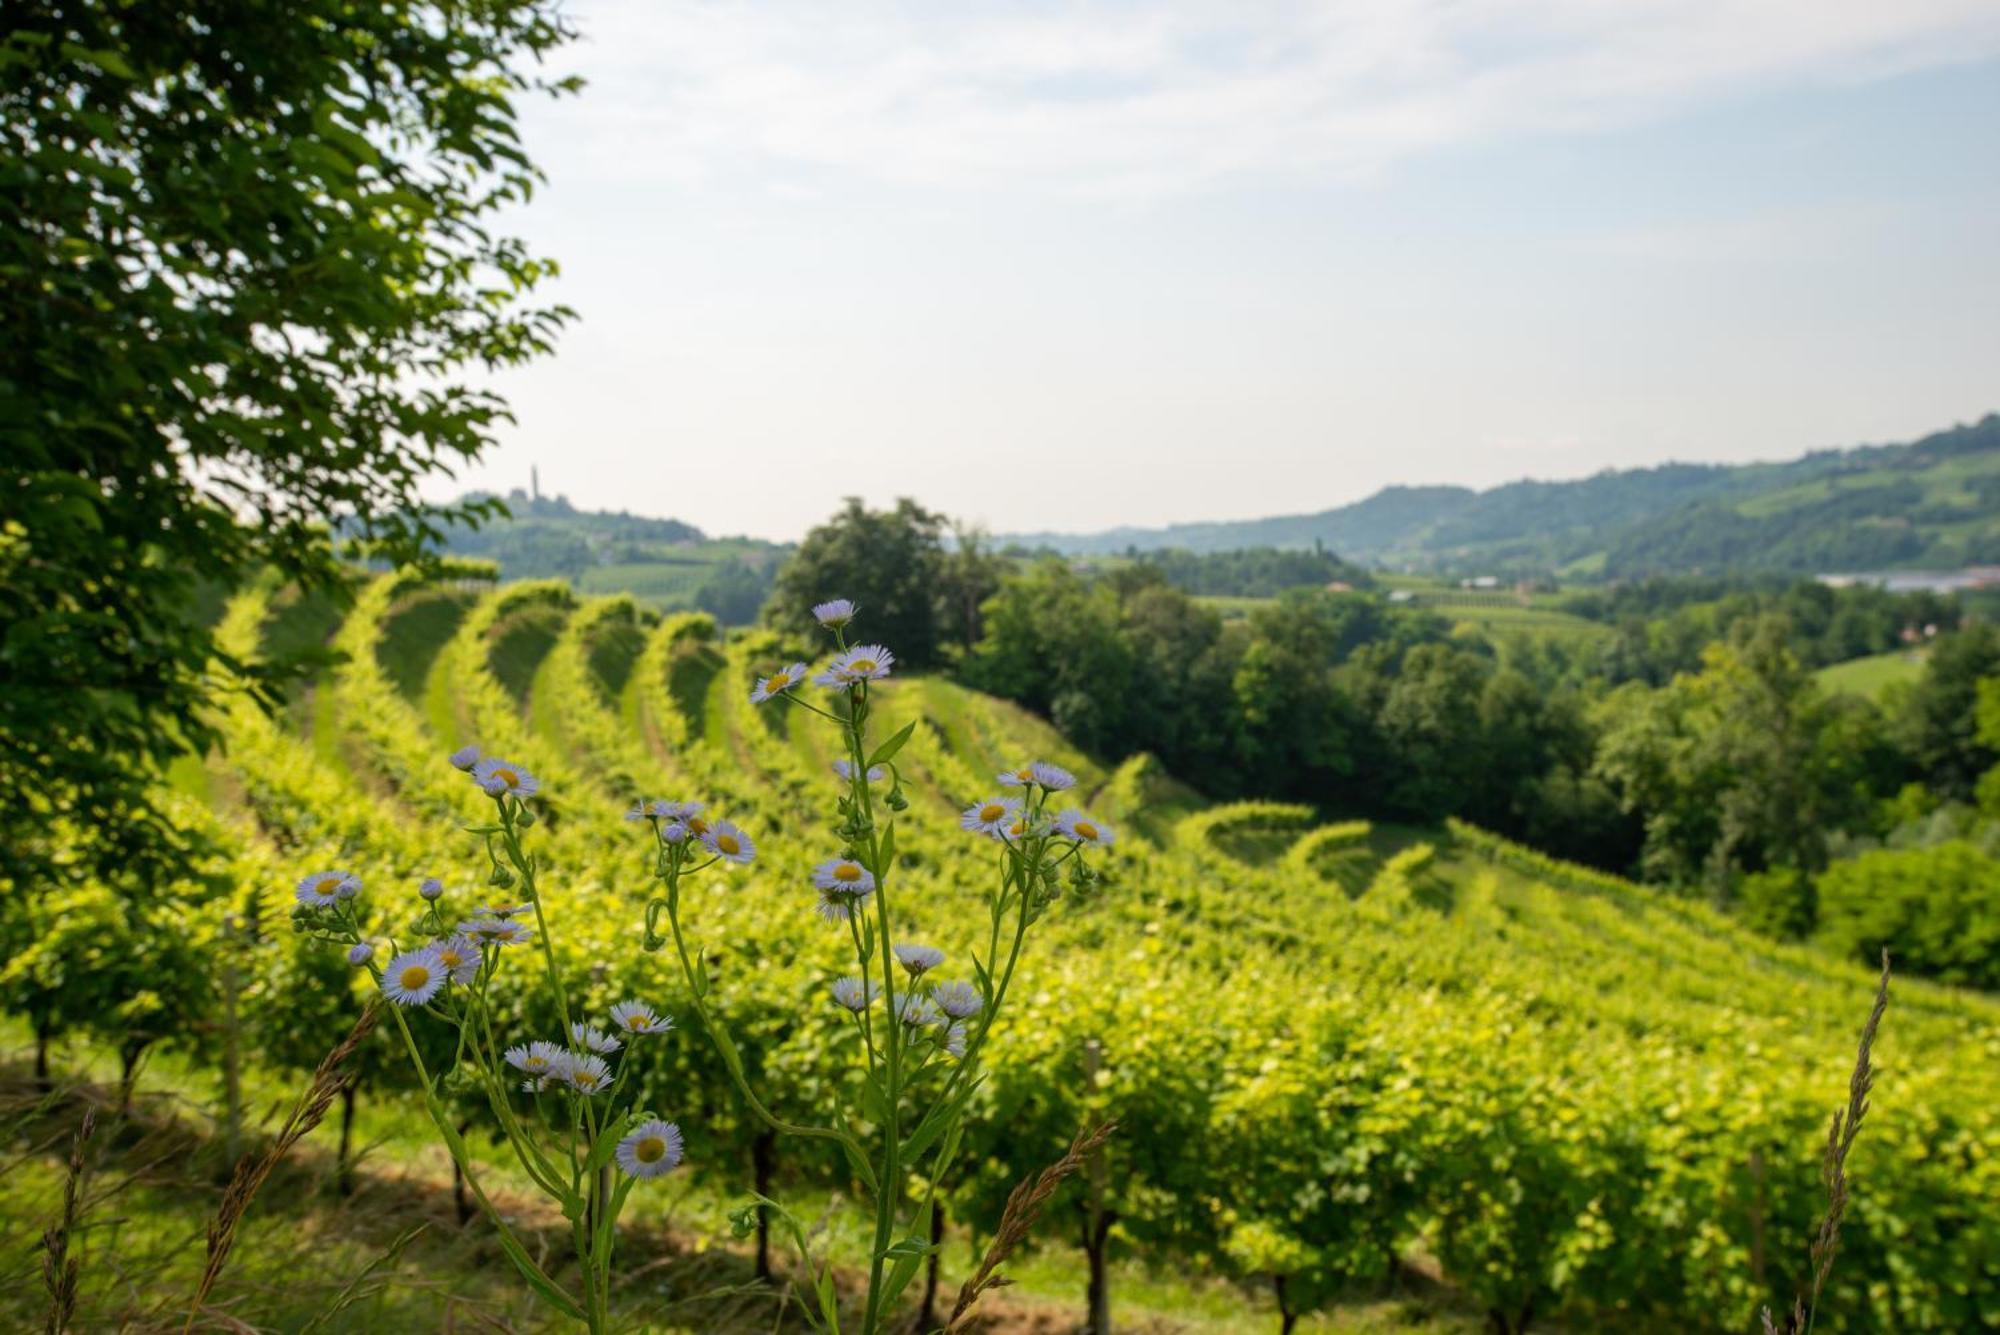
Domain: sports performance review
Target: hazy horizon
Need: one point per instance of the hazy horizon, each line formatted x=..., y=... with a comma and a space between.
x=1070, y=269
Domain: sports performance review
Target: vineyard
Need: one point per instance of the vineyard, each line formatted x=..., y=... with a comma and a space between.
x=1337, y=1053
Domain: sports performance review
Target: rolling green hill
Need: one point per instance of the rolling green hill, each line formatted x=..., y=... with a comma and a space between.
x=1932, y=503
x=1378, y=1047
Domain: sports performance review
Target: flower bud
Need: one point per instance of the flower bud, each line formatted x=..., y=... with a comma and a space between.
x=500, y=877
x=526, y=817
x=432, y=889
x=360, y=953
x=465, y=758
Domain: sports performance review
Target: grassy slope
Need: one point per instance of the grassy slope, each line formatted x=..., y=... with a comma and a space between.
x=1463, y=891
x=1871, y=675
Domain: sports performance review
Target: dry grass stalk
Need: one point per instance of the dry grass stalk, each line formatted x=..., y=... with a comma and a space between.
x=327, y=1082
x=1840, y=1136
x=1024, y=1208
x=60, y=1270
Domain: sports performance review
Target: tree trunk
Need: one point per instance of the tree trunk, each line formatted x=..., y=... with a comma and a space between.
x=763, y=1161
x=232, y=1062
x=1287, y=1318
x=1096, y=1232
x=343, y=1173
x=129, y=1053
x=42, y=1037
x=458, y=1192
x=927, y=1316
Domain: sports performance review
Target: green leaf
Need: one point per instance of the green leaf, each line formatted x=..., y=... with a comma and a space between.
x=892, y=746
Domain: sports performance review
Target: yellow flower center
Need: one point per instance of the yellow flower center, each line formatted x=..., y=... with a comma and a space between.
x=696, y=825
x=1024, y=774
x=862, y=665
x=451, y=959
x=650, y=1149
x=508, y=777
x=728, y=843
x=849, y=872
x=587, y=1079
x=1087, y=830
x=635, y=1022
x=327, y=885
x=534, y=1063
x=992, y=811
x=414, y=977
x=778, y=681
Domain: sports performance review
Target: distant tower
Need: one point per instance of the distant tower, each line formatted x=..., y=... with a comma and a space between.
x=534, y=483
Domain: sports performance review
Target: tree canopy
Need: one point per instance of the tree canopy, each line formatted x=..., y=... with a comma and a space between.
x=246, y=258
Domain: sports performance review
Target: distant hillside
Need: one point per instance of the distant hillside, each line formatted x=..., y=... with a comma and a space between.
x=669, y=564
x=1931, y=503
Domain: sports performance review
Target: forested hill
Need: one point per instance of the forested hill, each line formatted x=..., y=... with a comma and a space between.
x=1933, y=502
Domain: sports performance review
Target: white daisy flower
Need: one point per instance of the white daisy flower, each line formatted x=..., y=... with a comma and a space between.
x=769, y=688
x=502, y=778
x=959, y=1000
x=864, y=662
x=1077, y=825
x=496, y=931
x=650, y=1149
x=919, y=960
x=501, y=911
x=592, y=1039
x=917, y=1010
x=535, y=1084
x=729, y=843
x=539, y=1058
x=641, y=810
x=360, y=953
x=465, y=758
x=586, y=1073
x=844, y=876
x=694, y=825
x=636, y=1017
x=413, y=977
x=837, y=612
x=679, y=811
x=854, y=993
x=954, y=1040
x=845, y=769
x=1054, y=778
x=838, y=905
x=1017, y=778
x=324, y=889
x=990, y=816
x=460, y=957
x=432, y=889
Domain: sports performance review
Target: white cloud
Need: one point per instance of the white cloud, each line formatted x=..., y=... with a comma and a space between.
x=1142, y=99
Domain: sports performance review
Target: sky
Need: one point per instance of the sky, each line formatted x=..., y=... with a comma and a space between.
x=1073, y=266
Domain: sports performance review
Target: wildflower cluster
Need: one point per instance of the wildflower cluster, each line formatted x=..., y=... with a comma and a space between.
x=918, y=1039
x=568, y=1108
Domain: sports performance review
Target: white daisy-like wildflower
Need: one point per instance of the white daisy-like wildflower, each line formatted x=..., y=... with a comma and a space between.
x=501, y=778
x=954, y=1040
x=855, y=993
x=432, y=889
x=679, y=811
x=360, y=953
x=845, y=876
x=990, y=816
x=918, y=960
x=465, y=758
x=771, y=687
x=650, y=1149
x=1054, y=778
x=694, y=825
x=641, y=810
x=1078, y=825
x=460, y=957
x=729, y=843
x=845, y=770
x=500, y=911
x=864, y=662
x=636, y=1017
x=413, y=977
x=1017, y=778
x=539, y=1058
x=496, y=931
x=324, y=889
x=917, y=1010
x=586, y=1073
x=592, y=1039
x=835, y=612
x=959, y=1000
x=535, y=1084
x=838, y=905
